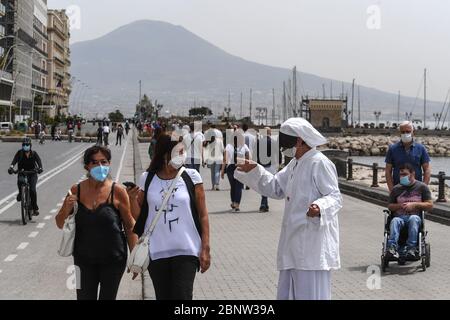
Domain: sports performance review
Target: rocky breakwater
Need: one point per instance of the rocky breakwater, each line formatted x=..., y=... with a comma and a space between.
x=378, y=145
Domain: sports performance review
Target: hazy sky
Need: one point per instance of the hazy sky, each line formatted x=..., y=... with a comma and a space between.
x=383, y=44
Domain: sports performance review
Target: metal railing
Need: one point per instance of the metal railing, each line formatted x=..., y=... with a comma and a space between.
x=441, y=177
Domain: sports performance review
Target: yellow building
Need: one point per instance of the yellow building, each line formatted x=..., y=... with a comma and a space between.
x=326, y=114
x=59, y=79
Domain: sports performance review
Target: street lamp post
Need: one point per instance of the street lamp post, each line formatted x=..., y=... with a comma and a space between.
x=11, y=99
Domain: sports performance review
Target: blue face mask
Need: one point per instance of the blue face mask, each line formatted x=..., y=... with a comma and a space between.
x=404, y=181
x=100, y=173
x=26, y=148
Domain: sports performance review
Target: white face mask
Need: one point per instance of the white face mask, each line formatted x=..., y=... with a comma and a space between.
x=406, y=137
x=178, y=161
x=290, y=153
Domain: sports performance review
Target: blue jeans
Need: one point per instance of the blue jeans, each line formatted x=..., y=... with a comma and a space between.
x=412, y=222
x=215, y=174
x=236, y=186
x=264, y=202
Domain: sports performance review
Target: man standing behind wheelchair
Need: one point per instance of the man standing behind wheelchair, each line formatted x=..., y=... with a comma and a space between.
x=28, y=160
x=407, y=200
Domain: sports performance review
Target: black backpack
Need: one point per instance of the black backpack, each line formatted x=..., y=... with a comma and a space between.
x=139, y=227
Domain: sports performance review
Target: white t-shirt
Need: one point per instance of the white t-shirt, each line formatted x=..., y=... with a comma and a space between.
x=214, y=152
x=175, y=232
x=194, y=146
x=241, y=151
x=250, y=140
x=105, y=129
x=211, y=132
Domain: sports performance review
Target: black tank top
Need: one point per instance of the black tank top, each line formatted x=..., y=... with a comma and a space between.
x=99, y=235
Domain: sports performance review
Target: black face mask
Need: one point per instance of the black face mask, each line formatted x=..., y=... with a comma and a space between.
x=287, y=141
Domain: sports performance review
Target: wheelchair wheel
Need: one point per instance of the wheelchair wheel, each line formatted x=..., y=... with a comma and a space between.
x=384, y=263
x=424, y=264
x=428, y=255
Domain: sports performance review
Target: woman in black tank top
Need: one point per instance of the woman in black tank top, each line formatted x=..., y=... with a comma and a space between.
x=103, y=227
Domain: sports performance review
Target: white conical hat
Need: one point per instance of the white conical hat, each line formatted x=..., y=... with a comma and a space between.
x=299, y=127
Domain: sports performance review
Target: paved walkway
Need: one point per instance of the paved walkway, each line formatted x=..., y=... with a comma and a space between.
x=244, y=247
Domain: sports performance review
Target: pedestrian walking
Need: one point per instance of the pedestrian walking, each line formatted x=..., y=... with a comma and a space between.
x=407, y=150
x=104, y=224
x=266, y=159
x=214, y=155
x=151, y=148
x=119, y=134
x=106, y=131
x=194, y=146
x=309, y=241
x=180, y=240
x=53, y=131
x=99, y=135
x=233, y=151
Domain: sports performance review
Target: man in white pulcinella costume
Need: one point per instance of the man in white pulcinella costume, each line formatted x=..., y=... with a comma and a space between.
x=309, y=241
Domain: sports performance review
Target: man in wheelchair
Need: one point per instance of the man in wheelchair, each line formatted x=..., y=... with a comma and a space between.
x=407, y=200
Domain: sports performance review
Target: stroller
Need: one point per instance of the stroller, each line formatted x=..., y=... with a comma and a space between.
x=424, y=247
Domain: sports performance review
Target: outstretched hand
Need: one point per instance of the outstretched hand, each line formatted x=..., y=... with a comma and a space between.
x=245, y=165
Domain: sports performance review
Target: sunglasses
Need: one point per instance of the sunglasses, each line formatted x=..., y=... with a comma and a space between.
x=101, y=162
x=26, y=144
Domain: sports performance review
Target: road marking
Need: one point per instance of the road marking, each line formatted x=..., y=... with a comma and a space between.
x=54, y=172
x=121, y=161
x=54, y=211
x=23, y=245
x=47, y=217
x=40, y=225
x=10, y=258
x=71, y=151
x=33, y=234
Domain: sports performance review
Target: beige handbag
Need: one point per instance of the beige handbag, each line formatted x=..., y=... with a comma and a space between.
x=68, y=230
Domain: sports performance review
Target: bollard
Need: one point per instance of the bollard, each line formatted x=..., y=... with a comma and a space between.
x=375, y=176
x=441, y=193
x=350, y=169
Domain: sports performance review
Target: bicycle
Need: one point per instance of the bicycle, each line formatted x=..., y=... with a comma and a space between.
x=26, y=208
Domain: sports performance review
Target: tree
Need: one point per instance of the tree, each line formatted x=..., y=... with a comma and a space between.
x=116, y=116
x=200, y=112
x=145, y=107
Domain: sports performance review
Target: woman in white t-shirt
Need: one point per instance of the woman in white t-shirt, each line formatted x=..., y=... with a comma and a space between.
x=180, y=241
x=214, y=155
x=237, y=150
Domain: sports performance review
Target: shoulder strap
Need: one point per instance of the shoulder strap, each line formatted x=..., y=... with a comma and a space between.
x=141, y=220
x=78, y=191
x=191, y=190
x=112, y=193
x=152, y=226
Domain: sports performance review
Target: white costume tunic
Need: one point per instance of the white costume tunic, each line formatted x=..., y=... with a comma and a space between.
x=309, y=247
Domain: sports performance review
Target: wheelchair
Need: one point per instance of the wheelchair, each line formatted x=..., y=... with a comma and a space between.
x=424, y=247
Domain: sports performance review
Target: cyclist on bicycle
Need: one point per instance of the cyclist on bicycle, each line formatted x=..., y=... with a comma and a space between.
x=28, y=160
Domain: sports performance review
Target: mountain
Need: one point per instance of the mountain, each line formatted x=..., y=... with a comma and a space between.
x=180, y=67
